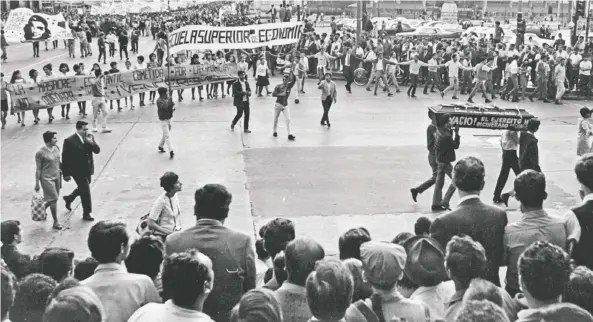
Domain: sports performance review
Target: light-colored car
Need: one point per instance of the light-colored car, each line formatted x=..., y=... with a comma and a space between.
x=428, y=32
x=533, y=39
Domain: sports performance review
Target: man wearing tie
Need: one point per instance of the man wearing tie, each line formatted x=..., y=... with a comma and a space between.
x=241, y=93
x=328, y=96
x=350, y=62
x=77, y=163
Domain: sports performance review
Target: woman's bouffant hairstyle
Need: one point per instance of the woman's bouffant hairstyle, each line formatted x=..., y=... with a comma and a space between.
x=329, y=290
x=257, y=305
x=75, y=304
x=31, y=298
x=168, y=180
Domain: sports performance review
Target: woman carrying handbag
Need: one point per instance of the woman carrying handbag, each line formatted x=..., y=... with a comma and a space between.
x=163, y=218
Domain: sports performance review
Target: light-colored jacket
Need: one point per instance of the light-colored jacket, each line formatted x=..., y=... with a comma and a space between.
x=327, y=89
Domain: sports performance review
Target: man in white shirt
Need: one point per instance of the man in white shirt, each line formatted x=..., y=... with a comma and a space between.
x=559, y=79
x=323, y=59
x=585, y=76
x=514, y=78
x=572, y=68
x=509, y=142
x=454, y=66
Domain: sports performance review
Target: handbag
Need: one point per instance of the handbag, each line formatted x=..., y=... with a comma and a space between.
x=142, y=228
x=38, y=208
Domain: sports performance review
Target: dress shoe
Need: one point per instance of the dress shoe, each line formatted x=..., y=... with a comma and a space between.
x=275, y=135
x=414, y=194
x=531, y=98
x=87, y=217
x=68, y=203
x=171, y=155
x=488, y=101
x=469, y=100
x=161, y=150
x=439, y=208
x=505, y=198
x=497, y=199
x=247, y=131
x=455, y=98
x=232, y=126
x=291, y=137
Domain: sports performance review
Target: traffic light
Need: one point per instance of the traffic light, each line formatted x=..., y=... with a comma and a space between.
x=581, y=8
x=520, y=23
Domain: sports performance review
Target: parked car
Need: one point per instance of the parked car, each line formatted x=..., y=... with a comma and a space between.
x=391, y=28
x=344, y=21
x=535, y=40
x=429, y=32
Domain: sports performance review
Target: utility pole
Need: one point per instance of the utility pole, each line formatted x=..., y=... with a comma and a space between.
x=358, y=19
x=587, y=27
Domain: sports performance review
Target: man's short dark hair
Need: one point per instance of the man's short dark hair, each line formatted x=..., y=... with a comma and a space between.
x=533, y=124
x=442, y=119
x=301, y=256
x=279, y=232
x=544, y=270
x=106, y=239
x=31, y=297
x=212, y=201
x=584, y=170
x=9, y=286
x=401, y=238
x=162, y=91
x=56, y=262
x=145, y=257
x=85, y=269
x=530, y=188
x=349, y=243
x=465, y=259
x=468, y=174
x=260, y=250
x=8, y=229
x=48, y=136
x=80, y=124
x=241, y=72
x=184, y=276
x=422, y=226
x=579, y=289
x=168, y=180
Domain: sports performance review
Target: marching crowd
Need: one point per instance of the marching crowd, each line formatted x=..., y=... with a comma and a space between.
x=446, y=270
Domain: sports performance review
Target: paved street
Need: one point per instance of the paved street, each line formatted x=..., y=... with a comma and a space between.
x=358, y=173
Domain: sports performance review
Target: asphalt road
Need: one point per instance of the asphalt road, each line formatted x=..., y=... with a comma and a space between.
x=358, y=173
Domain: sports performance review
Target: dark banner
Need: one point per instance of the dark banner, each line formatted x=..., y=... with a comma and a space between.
x=485, y=117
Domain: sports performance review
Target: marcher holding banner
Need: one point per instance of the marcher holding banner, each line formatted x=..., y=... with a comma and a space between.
x=165, y=110
x=99, y=103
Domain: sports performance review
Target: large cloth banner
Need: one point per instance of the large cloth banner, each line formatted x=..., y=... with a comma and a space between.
x=24, y=25
x=30, y=96
x=485, y=116
x=202, y=37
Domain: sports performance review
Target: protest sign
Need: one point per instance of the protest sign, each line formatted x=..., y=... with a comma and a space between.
x=202, y=37
x=24, y=25
x=66, y=90
x=485, y=117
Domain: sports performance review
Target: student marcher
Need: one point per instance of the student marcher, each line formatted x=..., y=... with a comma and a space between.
x=165, y=110
x=328, y=96
x=99, y=104
x=241, y=93
x=281, y=92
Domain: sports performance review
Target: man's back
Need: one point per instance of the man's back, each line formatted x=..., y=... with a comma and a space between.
x=120, y=292
x=293, y=300
x=233, y=262
x=483, y=223
x=584, y=248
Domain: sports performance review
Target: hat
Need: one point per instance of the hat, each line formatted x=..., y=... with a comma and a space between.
x=383, y=262
x=425, y=265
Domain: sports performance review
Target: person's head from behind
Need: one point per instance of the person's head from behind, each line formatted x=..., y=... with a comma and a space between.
x=481, y=289
x=163, y=92
x=349, y=243
x=67, y=283
x=9, y=287
x=579, y=289
x=465, y=259
x=75, y=304
x=212, y=201
x=584, y=172
x=11, y=232
x=422, y=226
x=85, y=268
x=257, y=305
x=279, y=268
x=355, y=267
x=533, y=125
x=301, y=256
x=108, y=241
x=82, y=128
x=56, y=263
x=278, y=233
x=401, y=238
x=383, y=264
x=468, y=175
x=530, y=190
x=260, y=250
x=481, y=311
x=544, y=271
x=31, y=298
x=145, y=257
x=329, y=290
x=564, y=312
x=188, y=278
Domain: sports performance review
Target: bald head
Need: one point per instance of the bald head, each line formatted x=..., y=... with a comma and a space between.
x=301, y=256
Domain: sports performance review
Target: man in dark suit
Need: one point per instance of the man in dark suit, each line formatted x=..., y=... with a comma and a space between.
x=584, y=212
x=483, y=223
x=231, y=252
x=241, y=93
x=77, y=163
x=350, y=64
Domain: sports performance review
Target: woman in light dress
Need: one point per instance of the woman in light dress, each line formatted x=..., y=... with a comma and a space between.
x=48, y=175
x=584, y=131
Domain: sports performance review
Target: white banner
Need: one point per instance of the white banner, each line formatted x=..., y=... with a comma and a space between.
x=24, y=25
x=201, y=37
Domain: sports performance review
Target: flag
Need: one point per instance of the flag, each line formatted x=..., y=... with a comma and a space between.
x=26, y=26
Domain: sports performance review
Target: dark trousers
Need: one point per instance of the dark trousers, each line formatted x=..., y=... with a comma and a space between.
x=412, y=89
x=84, y=191
x=509, y=161
x=135, y=46
x=35, y=48
x=349, y=75
x=327, y=104
x=584, y=83
x=432, y=161
x=123, y=49
x=111, y=49
x=433, y=79
x=102, y=53
x=242, y=108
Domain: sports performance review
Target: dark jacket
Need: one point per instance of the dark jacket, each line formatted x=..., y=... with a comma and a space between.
x=77, y=158
x=483, y=223
x=239, y=92
x=19, y=264
x=528, y=152
x=584, y=248
x=164, y=108
x=445, y=145
x=233, y=262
